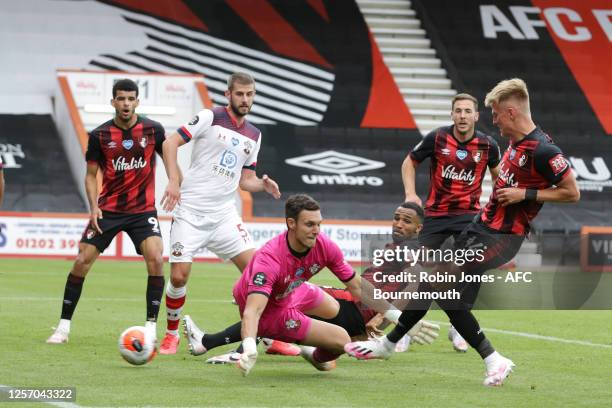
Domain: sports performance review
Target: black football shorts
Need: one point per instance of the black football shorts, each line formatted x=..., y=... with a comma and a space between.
x=437, y=229
x=138, y=226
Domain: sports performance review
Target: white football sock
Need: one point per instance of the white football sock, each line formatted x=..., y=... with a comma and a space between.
x=64, y=325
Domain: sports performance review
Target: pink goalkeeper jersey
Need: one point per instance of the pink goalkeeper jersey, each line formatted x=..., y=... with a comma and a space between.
x=275, y=272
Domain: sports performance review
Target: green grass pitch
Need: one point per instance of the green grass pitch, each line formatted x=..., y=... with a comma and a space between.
x=548, y=374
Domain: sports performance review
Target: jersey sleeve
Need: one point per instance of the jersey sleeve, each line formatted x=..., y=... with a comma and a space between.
x=265, y=272
x=197, y=126
x=494, y=153
x=94, y=150
x=1, y=164
x=550, y=163
x=336, y=262
x=424, y=148
x=160, y=136
x=251, y=161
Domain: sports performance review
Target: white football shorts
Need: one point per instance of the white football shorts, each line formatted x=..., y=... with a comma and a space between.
x=222, y=233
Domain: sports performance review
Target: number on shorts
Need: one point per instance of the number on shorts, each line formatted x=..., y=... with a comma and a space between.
x=243, y=233
x=153, y=221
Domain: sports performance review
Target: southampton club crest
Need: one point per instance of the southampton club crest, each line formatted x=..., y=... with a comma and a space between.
x=177, y=249
x=314, y=269
x=247, y=147
x=292, y=324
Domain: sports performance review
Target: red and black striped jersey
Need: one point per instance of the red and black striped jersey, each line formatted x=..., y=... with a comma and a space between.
x=127, y=160
x=456, y=170
x=533, y=162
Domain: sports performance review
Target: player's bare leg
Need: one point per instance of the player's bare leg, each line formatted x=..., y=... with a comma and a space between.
x=242, y=259
x=152, y=250
x=176, y=292
x=272, y=346
x=74, y=285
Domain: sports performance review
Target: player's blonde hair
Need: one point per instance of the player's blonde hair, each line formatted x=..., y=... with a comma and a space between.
x=509, y=88
x=241, y=77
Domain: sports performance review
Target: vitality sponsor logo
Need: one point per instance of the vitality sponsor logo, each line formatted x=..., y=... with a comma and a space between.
x=507, y=177
x=450, y=173
x=120, y=164
x=339, y=165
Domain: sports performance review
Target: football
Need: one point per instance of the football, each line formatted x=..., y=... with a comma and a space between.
x=137, y=346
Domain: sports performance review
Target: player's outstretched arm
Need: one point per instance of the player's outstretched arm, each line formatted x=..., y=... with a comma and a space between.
x=408, y=177
x=565, y=192
x=172, y=195
x=91, y=188
x=255, y=305
x=354, y=286
x=253, y=184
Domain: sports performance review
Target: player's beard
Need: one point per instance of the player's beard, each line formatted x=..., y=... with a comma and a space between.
x=398, y=239
x=125, y=119
x=236, y=110
x=469, y=130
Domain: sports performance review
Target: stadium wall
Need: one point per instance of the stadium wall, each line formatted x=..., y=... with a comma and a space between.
x=56, y=235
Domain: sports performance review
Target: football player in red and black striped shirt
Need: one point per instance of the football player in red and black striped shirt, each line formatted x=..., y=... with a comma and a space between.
x=532, y=171
x=460, y=156
x=123, y=149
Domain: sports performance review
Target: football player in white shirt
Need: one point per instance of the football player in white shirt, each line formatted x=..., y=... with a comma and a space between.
x=223, y=158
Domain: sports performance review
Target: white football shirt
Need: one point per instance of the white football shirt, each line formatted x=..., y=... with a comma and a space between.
x=220, y=151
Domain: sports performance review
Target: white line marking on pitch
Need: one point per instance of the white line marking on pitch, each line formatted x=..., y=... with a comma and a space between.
x=60, y=404
x=537, y=336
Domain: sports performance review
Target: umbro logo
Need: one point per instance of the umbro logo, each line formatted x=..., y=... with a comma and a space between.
x=338, y=164
x=332, y=161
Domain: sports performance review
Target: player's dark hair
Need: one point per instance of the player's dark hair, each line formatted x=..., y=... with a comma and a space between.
x=463, y=97
x=297, y=203
x=414, y=206
x=125, y=85
x=241, y=77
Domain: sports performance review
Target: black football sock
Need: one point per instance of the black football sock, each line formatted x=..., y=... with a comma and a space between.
x=72, y=293
x=322, y=356
x=155, y=291
x=407, y=319
x=230, y=335
x=467, y=326
x=485, y=349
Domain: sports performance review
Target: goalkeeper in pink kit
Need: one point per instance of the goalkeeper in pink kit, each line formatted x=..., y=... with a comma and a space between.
x=273, y=298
